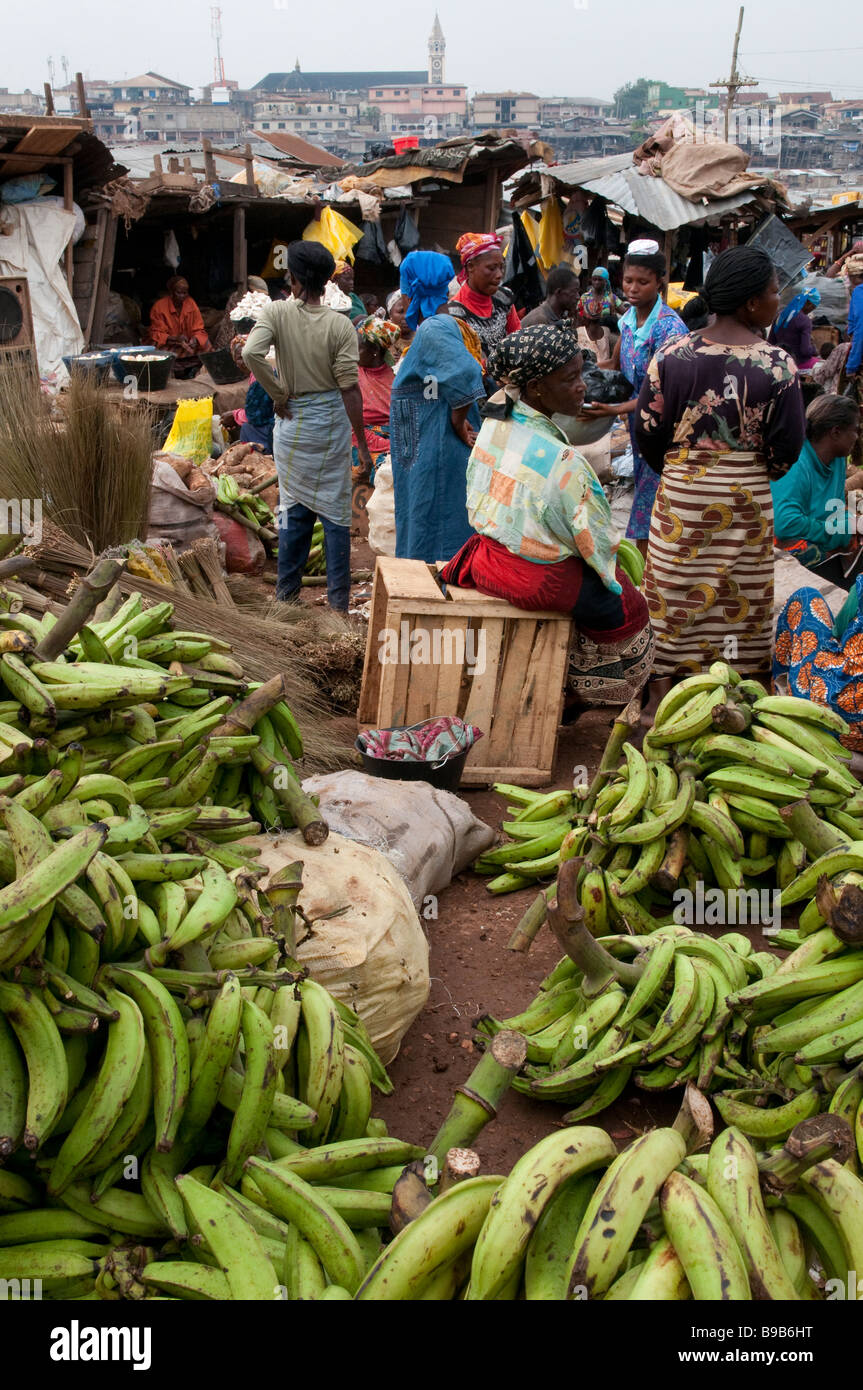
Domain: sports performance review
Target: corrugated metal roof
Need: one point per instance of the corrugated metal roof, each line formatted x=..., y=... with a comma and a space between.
x=616, y=178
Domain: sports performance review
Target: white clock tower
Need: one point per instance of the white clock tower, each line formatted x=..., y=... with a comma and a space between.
x=437, y=53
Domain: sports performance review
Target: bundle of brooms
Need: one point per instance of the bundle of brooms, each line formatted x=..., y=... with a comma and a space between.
x=88, y=462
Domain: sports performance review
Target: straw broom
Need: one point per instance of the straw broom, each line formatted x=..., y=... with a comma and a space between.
x=90, y=468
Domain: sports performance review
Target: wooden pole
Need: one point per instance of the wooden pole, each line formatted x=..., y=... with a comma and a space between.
x=83, y=109
x=250, y=165
x=67, y=204
x=209, y=161
x=49, y=99
x=241, y=265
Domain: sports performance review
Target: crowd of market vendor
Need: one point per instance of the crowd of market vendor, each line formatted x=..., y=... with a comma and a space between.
x=467, y=395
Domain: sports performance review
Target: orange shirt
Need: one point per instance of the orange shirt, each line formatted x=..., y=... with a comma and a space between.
x=166, y=321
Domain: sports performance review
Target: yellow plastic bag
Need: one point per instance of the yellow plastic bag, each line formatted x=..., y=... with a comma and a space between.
x=551, y=240
x=336, y=233
x=677, y=296
x=192, y=430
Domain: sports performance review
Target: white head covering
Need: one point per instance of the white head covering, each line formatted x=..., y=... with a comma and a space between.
x=644, y=247
x=393, y=299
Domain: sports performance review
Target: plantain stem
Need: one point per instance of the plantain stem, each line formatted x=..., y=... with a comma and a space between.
x=460, y=1164
x=282, y=893
x=93, y=588
x=531, y=922
x=622, y=731
x=475, y=1103
x=810, y=1142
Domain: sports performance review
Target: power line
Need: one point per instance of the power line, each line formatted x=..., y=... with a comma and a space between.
x=774, y=52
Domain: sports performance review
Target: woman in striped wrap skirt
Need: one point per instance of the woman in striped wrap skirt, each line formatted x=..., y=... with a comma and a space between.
x=720, y=412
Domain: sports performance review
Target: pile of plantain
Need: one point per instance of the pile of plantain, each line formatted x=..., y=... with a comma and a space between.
x=156, y=1030
x=733, y=788
x=658, y=1221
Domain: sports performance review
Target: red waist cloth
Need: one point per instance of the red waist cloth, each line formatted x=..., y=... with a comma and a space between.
x=485, y=564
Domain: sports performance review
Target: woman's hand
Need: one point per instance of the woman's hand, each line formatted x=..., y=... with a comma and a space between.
x=592, y=410
x=465, y=431
x=361, y=472
x=283, y=411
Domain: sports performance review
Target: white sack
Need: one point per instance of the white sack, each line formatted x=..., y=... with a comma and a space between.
x=381, y=510
x=374, y=956
x=429, y=836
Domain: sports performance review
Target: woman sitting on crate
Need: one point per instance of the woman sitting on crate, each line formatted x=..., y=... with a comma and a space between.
x=544, y=534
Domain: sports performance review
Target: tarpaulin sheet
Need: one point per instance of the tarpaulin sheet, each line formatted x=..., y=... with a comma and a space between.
x=39, y=235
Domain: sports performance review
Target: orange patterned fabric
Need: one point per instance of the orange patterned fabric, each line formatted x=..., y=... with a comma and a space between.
x=709, y=573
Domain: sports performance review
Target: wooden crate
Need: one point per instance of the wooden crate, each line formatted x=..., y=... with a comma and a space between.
x=516, y=699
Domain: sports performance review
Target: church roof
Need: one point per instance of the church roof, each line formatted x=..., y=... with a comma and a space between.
x=297, y=81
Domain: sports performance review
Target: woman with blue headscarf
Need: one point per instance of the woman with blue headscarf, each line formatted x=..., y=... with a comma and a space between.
x=424, y=280
x=793, y=329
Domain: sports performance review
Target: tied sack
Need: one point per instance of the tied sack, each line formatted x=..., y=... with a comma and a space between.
x=177, y=514
x=366, y=946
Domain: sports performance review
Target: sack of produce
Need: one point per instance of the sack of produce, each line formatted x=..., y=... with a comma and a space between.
x=428, y=835
x=176, y=513
x=244, y=553
x=381, y=510
x=366, y=944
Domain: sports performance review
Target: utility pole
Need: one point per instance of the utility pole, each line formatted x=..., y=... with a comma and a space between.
x=733, y=82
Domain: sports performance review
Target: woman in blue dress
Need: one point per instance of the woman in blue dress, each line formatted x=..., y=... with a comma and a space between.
x=647, y=325
x=434, y=421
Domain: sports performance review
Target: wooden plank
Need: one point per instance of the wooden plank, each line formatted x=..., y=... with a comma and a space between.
x=250, y=166
x=392, y=703
x=423, y=678
x=67, y=204
x=209, y=161
x=481, y=699
x=479, y=776
x=49, y=98
x=103, y=279
x=367, y=711
x=98, y=251
x=452, y=688
x=555, y=661
x=514, y=666
x=83, y=109
x=240, y=248
x=409, y=579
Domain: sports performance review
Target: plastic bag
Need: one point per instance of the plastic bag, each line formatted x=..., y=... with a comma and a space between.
x=367, y=945
x=428, y=835
x=192, y=429
x=371, y=245
x=608, y=387
x=406, y=235
x=381, y=510
x=335, y=232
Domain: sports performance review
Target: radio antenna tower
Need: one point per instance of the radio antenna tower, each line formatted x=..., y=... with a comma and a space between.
x=216, y=31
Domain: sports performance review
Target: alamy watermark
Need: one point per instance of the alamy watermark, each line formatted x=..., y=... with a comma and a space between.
x=21, y=516
x=714, y=907
x=407, y=646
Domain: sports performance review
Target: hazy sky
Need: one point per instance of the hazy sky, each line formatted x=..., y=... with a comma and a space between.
x=552, y=47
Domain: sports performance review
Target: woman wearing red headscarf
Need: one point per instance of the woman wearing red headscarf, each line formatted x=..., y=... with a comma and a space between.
x=486, y=306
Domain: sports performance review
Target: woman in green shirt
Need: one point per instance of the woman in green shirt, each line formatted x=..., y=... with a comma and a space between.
x=317, y=400
x=810, y=510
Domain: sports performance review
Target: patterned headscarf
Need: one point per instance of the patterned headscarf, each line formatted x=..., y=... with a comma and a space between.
x=474, y=244
x=380, y=332
x=532, y=353
x=854, y=265
x=341, y=267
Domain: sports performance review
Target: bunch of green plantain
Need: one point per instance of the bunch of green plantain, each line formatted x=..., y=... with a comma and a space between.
x=166, y=718
x=151, y=1084
x=317, y=561
x=734, y=789
x=774, y=1041
x=661, y=1220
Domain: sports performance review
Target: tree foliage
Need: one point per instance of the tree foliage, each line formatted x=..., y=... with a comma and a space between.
x=631, y=99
